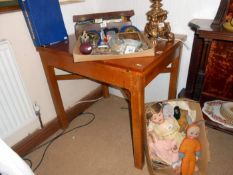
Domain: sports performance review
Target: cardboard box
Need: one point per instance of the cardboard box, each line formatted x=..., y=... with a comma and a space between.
x=204, y=159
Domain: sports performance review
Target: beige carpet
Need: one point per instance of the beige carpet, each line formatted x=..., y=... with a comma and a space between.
x=104, y=146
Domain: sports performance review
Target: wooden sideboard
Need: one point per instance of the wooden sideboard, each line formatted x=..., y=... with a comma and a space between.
x=210, y=73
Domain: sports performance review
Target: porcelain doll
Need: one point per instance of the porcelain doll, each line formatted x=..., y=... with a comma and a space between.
x=164, y=128
x=190, y=150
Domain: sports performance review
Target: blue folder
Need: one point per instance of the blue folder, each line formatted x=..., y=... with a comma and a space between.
x=44, y=20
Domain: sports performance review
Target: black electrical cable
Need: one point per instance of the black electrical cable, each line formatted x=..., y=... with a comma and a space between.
x=29, y=162
x=48, y=143
x=123, y=107
x=42, y=158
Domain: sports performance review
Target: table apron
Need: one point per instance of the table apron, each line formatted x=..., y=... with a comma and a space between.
x=162, y=67
x=98, y=72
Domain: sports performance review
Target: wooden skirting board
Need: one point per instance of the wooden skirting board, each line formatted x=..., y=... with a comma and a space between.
x=36, y=138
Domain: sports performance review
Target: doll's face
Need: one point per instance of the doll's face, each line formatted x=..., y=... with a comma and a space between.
x=158, y=118
x=193, y=132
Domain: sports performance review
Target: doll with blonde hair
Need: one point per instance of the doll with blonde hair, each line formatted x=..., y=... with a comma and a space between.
x=164, y=128
x=163, y=136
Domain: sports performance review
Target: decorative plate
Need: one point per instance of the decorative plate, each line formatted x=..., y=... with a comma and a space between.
x=212, y=110
x=227, y=111
x=129, y=29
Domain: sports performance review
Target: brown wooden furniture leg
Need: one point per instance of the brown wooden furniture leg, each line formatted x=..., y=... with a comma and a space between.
x=137, y=114
x=55, y=93
x=105, y=90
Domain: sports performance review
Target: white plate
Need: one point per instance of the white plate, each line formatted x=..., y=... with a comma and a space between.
x=212, y=110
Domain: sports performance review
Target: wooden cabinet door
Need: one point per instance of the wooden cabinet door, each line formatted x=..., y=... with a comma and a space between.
x=218, y=80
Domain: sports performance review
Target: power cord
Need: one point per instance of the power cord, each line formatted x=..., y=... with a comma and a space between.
x=164, y=39
x=29, y=162
x=36, y=108
x=89, y=101
x=48, y=143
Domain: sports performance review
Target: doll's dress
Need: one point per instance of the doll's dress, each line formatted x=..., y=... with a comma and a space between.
x=164, y=149
x=169, y=130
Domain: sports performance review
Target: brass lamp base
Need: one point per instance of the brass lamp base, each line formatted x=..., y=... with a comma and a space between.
x=157, y=27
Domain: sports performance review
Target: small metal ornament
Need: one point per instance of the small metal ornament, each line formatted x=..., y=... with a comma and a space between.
x=157, y=27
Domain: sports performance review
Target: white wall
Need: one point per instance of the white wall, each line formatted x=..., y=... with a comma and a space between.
x=13, y=28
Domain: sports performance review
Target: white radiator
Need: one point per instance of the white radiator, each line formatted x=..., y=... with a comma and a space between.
x=16, y=110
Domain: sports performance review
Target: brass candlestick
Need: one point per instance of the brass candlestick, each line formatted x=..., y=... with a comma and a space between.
x=157, y=26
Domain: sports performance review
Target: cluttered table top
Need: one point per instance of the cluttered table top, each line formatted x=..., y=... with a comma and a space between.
x=161, y=50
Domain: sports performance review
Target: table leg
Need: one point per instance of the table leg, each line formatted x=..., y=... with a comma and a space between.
x=55, y=93
x=174, y=78
x=137, y=114
x=105, y=90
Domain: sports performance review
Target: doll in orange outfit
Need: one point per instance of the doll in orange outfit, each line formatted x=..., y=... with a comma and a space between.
x=190, y=150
